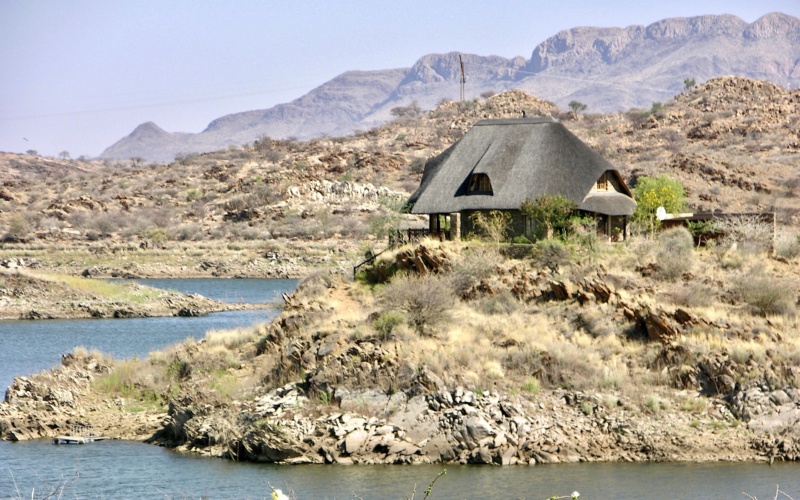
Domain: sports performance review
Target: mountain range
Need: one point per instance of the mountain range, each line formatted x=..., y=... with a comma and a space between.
x=608, y=69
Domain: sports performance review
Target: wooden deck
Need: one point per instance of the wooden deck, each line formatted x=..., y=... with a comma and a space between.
x=79, y=434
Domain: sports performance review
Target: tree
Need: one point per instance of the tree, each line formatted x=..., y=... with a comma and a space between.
x=551, y=211
x=654, y=192
x=688, y=84
x=64, y=155
x=577, y=107
x=409, y=112
x=32, y=152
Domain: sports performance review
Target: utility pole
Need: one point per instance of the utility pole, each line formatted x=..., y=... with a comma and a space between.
x=463, y=77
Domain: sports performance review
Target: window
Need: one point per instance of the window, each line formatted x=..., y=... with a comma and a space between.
x=602, y=182
x=480, y=183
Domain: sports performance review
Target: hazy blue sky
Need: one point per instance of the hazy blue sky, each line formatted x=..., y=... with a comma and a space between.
x=78, y=75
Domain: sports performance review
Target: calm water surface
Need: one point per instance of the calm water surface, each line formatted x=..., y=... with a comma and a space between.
x=251, y=291
x=28, y=347
x=133, y=470
x=118, y=469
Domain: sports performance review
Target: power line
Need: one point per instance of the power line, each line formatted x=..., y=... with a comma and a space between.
x=150, y=105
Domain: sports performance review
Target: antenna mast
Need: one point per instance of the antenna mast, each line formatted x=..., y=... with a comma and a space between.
x=463, y=77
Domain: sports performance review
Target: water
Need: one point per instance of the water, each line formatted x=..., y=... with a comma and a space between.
x=28, y=347
x=116, y=469
x=133, y=470
x=251, y=291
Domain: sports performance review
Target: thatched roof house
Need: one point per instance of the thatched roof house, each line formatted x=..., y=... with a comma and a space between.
x=499, y=164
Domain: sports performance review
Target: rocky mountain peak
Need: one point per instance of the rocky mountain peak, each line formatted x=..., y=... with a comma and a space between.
x=437, y=68
x=148, y=130
x=772, y=26
x=683, y=27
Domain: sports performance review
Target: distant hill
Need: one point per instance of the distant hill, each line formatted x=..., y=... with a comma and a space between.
x=609, y=69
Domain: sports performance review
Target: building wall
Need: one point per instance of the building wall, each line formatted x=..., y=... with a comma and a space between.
x=614, y=228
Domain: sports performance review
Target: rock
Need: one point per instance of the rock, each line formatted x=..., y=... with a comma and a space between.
x=659, y=328
x=480, y=456
x=562, y=290
x=355, y=440
x=186, y=312
x=780, y=398
x=683, y=317
x=477, y=428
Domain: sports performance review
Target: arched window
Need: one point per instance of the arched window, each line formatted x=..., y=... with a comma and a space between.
x=480, y=184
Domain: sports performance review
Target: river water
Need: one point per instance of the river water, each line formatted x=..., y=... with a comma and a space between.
x=115, y=469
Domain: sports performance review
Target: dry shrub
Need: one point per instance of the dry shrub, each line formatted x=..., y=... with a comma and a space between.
x=749, y=232
x=231, y=338
x=675, y=253
x=788, y=247
x=493, y=226
x=643, y=248
x=596, y=323
x=692, y=295
x=316, y=283
x=769, y=295
x=426, y=300
x=476, y=264
x=501, y=303
x=550, y=253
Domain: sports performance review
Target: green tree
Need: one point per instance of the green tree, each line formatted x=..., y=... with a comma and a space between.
x=577, y=107
x=552, y=212
x=64, y=155
x=688, y=84
x=654, y=192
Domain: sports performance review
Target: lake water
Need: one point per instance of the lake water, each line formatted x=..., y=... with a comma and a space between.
x=251, y=291
x=116, y=469
x=133, y=470
x=28, y=347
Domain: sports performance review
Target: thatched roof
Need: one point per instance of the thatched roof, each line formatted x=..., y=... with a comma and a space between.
x=523, y=158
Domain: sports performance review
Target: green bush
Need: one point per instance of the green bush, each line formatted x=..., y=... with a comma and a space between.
x=552, y=213
x=531, y=386
x=387, y=322
x=193, y=195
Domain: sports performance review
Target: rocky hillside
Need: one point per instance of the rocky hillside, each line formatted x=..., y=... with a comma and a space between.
x=733, y=142
x=609, y=69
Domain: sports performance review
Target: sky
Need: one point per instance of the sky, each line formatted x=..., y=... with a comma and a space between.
x=78, y=75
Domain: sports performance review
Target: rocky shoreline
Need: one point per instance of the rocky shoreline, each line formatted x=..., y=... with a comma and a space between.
x=324, y=418
x=437, y=425
x=40, y=296
x=325, y=383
